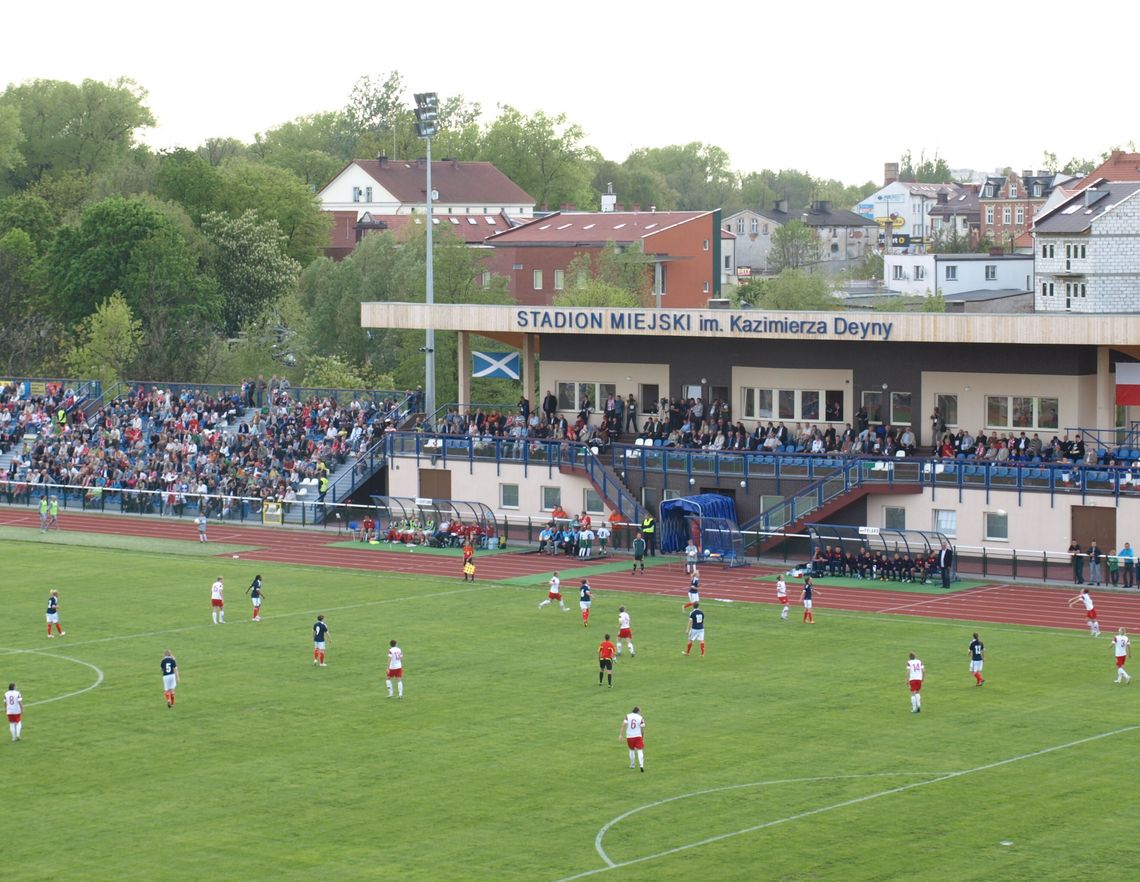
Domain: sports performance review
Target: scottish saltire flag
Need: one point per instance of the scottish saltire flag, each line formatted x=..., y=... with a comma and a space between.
x=495, y=365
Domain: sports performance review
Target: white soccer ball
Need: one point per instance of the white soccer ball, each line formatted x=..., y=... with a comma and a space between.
x=235, y=557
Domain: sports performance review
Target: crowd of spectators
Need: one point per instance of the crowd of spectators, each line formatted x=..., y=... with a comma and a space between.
x=186, y=447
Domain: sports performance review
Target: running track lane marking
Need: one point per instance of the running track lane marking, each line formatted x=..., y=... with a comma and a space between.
x=611, y=865
x=98, y=674
x=973, y=592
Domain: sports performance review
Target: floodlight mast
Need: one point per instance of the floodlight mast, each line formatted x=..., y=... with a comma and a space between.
x=427, y=125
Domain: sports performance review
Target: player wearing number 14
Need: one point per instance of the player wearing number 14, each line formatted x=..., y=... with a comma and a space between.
x=914, y=674
x=395, y=668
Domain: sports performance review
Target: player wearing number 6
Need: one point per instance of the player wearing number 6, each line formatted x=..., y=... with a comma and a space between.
x=633, y=731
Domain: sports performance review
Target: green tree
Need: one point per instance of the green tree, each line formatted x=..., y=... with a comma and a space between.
x=698, y=173
x=790, y=290
x=108, y=342
x=218, y=151
x=596, y=293
x=31, y=339
x=545, y=155
x=331, y=372
x=186, y=178
x=609, y=271
x=249, y=261
x=84, y=128
x=314, y=148
x=10, y=138
x=277, y=195
x=30, y=213
x=794, y=246
x=934, y=170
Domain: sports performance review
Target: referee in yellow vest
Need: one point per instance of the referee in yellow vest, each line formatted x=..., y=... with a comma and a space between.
x=649, y=531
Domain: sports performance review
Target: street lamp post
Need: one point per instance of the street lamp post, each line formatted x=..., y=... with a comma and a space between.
x=427, y=117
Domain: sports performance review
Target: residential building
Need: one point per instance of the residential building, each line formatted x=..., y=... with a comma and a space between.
x=964, y=278
x=956, y=216
x=1087, y=250
x=903, y=209
x=1010, y=201
x=844, y=237
x=682, y=250
x=474, y=199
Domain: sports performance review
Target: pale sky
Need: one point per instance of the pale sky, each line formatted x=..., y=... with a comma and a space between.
x=833, y=89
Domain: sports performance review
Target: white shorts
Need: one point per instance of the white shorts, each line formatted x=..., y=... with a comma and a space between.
x=52, y=618
x=256, y=602
x=585, y=604
x=320, y=645
x=694, y=597
x=807, y=604
x=169, y=681
x=975, y=666
x=697, y=635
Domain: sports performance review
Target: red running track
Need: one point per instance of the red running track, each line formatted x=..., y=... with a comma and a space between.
x=1022, y=604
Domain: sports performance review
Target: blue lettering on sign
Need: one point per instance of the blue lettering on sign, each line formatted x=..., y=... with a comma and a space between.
x=683, y=323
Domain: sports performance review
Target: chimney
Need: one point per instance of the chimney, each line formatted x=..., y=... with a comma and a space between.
x=619, y=207
x=1026, y=173
x=820, y=206
x=653, y=208
x=943, y=197
x=781, y=205
x=609, y=200
x=637, y=206
x=571, y=207
x=890, y=172
x=382, y=159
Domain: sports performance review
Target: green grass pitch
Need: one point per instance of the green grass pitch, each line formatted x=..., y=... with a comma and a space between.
x=788, y=753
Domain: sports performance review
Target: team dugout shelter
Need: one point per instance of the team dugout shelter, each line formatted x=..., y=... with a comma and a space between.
x=1045, y=374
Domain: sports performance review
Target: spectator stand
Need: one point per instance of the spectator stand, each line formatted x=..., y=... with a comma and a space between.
x=709, y=520
x=442, y=523
x=853, y=539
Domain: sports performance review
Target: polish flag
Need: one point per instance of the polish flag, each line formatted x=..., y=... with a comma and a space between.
x=1128, y=383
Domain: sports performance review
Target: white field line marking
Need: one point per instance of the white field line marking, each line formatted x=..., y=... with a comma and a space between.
x=98, y=674
x=267, y=618
x=844, y=804
x=973, y=592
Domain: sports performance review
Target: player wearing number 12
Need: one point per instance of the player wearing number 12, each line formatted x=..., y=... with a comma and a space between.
x=977, y=657
x=395, y=668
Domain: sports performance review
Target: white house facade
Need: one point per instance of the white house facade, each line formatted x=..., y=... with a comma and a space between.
x=954, y=274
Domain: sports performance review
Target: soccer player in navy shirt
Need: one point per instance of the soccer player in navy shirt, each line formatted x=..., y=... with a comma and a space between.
x=53, y=614
x=806, y=597
x=320, y=638
x=169, y=677
x=585, y=598
x=977, y=656
x=696, y=628
x=255, y=594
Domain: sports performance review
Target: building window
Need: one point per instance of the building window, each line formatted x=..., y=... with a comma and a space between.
x=1036, y=191
x=919, y=273
x=486, y=279
x=1021, y=412
x=989, y=191
x=740, y=226
x=705, y=245
x=951, y=272
x=1051, y=290
x=355, y=194
x=1012, y=190
x=996, y=526
x=592, y=502
x=508, y=496
x=990, y=215
x=538, y=280
x=901, y=412
x=894, y=517
x=947, y=406
x=897, y=272
x=1044, y=290
x=559, y=279
x=754, y=227
x=1019, y=214
x=991, y=272
x=1052, y=250
x=1084, y=289
x=792, y=404
x=873, y=404
x=1006, y=216
x=551, y=498
x=946, y=521
x=647, y=395
x=728, y=262
x=1044, y=250
x=765, y=230
x=1083, y=252
x=571, y=394
x=705, y=288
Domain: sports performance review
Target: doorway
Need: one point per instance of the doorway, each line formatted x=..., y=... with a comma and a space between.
x=1097, y=522
x=435, y=483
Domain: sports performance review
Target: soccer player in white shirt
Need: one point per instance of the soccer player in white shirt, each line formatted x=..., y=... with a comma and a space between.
x=586, y=543
x=624, y=631
x=633, y=731
x=782, y=595
x=1085, y=599
x=1122, y=649
x=14, y=708
x=691, y=553
x=395, y=668
x=555, y=593
x=201, y=522
x=914, y=674
x=603, y=533
x=217, y=606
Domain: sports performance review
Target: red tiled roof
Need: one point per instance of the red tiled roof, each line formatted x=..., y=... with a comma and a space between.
x=467, y=183
x=595, y=227
x=471, y=228
x=1119, y=166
